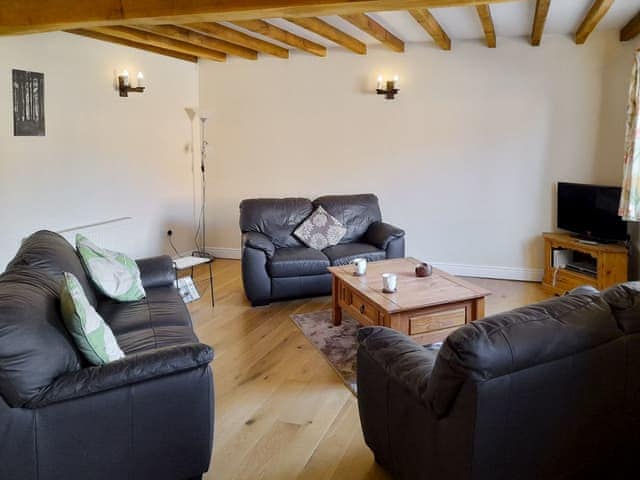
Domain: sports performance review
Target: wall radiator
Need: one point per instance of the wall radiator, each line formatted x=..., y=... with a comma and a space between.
x=113, y=234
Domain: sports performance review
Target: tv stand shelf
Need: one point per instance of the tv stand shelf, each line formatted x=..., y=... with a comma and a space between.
x=611, y=261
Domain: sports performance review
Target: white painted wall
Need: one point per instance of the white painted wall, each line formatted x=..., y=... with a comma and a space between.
x=465, y=159
x=103, y=156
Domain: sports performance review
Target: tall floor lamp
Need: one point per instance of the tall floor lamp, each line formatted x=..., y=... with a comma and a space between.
x=201, y=248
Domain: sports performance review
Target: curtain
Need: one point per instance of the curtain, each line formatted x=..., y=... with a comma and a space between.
x=630, y=198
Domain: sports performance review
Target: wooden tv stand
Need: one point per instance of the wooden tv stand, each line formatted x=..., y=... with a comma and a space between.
x=612, y=262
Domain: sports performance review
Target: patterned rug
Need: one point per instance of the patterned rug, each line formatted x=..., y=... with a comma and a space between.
x=338, y=344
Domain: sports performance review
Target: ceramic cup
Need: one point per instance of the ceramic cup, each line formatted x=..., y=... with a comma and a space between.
x=389, y=282
x=359, y=266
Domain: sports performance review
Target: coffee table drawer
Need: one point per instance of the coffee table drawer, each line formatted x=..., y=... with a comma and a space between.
x=364, y=308
x=430, y=322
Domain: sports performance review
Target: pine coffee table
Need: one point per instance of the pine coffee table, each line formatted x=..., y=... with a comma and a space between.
x=427, y=309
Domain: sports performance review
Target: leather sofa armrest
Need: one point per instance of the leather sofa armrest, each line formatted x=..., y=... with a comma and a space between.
x=258, y=241
x=131, y=369
x=379, y=234
x=156, y=271
x=402, y=359
x=584, y=290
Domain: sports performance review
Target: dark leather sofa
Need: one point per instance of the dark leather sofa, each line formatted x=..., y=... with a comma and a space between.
x=146, y=416
x=548, y=391
x=277, y=266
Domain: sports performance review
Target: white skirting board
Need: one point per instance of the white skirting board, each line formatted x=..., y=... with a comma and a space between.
x=221, y=252
x=480, y=271
x=492, y=271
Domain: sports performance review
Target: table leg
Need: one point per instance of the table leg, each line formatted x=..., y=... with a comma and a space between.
x=213, y=301
x=478, y=309
x=335, y=297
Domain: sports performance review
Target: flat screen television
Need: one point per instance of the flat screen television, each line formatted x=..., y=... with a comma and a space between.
x=591, y=211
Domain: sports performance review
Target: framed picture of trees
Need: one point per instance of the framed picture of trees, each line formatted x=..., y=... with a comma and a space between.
x=28, y=103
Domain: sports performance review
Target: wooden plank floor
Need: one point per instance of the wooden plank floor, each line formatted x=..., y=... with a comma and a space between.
x=281, y=411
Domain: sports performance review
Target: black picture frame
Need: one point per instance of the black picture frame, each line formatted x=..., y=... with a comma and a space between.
x=28, y=103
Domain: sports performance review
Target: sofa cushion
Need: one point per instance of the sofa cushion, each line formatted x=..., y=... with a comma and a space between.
x=344, y=254
x=159, y=320
x=320, y=230
x=354, y=212
x=297, y=261
x=52, y=254
x=114, y=273
x=624, y=300
x=92, y=335
x=276, y=218
x=35, y=347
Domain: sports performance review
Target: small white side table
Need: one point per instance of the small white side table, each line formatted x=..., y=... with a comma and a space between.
x=186, y=263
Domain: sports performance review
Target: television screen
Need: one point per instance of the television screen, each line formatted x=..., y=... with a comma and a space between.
x=590, y=211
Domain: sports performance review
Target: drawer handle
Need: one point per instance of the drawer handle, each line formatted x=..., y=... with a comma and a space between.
x=361, y=308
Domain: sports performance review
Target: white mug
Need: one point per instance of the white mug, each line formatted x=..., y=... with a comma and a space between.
x=359, y=266
x=389, y=282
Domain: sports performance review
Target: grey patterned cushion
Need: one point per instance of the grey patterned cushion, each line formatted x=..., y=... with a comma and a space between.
x=320, y=230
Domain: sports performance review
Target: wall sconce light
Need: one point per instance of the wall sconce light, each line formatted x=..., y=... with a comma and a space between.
x=124, y=87
x=391, y=89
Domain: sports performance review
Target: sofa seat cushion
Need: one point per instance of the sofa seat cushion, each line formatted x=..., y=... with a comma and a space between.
x=298, y=261
x=345, y=253
x=159, y=320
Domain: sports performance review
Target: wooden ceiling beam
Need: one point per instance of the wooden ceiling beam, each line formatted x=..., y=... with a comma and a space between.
x=322, y=28
x=129, y=43
x=31, y=16
x=281, y=35
x=189, y=36
x=377, y=31
x=484, y=14
x=539, y=19
x=597, y=11
x=148, y=38
x=631, y=29
x=432, y=27
x=234, y=36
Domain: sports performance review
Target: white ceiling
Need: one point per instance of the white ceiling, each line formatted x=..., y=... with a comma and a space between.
x=511, y=19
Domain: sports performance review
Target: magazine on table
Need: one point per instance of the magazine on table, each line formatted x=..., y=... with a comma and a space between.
x=187, y=289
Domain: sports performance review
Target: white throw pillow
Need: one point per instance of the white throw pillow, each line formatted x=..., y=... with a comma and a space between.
x=115, y=274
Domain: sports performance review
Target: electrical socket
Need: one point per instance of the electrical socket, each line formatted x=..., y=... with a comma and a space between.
x=169, y=232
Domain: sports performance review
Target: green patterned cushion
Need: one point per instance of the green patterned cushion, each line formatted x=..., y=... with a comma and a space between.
x=92, y=335
x=116, y=275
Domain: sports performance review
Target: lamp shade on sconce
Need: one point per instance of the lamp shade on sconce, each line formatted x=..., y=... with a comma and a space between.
x=124, y=85
x=124, y=76
x=389, y=88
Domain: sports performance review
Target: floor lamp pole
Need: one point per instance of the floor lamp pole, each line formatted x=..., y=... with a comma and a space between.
x=202, y=252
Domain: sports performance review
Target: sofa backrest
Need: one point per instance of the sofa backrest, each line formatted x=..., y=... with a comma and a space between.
x=52, y=254
x=517, y=340
x=542, y=386
x=35, y=347
x=276, y=218
x=624, y=300
x=355, y=212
